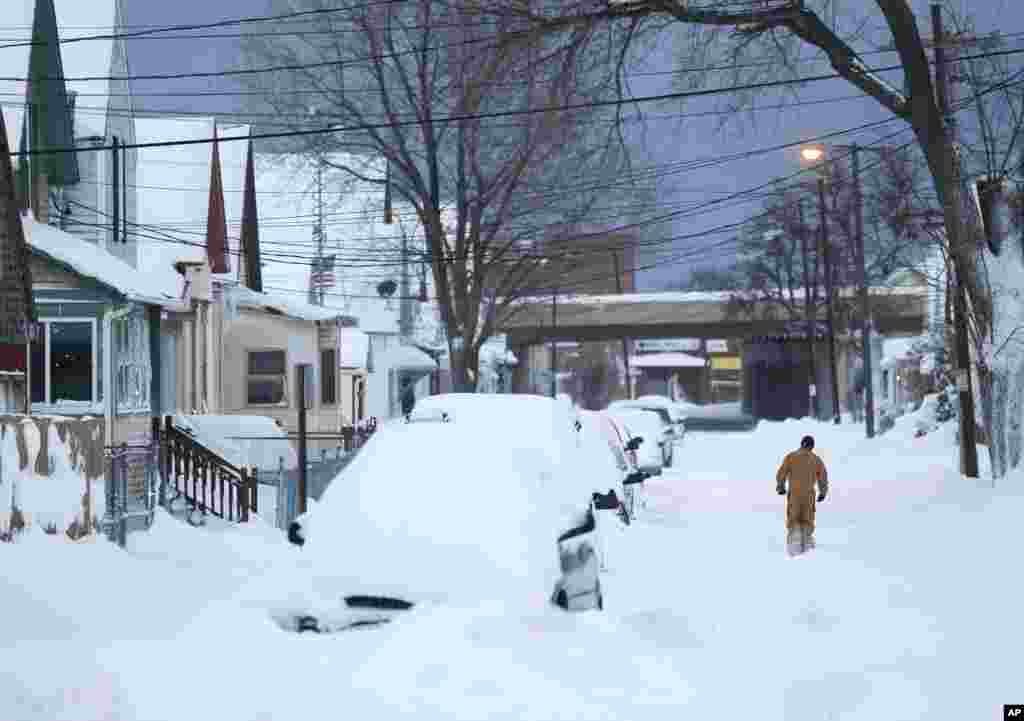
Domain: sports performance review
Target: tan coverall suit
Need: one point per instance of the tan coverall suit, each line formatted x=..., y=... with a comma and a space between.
x=802, y=468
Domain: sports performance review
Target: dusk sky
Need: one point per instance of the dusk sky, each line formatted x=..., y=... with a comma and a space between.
x=673, y=134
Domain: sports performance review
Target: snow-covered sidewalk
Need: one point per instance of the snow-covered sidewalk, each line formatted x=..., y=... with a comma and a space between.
x=909, y=608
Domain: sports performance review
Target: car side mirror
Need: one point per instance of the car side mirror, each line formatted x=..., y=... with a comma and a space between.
x=634, y=443
x=295, y=534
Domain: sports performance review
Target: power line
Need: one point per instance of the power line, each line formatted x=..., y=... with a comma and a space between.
x=207, y=26
x=747, y=192
x=102, y=111
x=483, y=116
x=657, y=171
x=722, y=202
x=439, y=120
x=413, y=51
x=517, y=258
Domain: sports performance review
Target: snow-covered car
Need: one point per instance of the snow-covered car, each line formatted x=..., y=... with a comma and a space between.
x=621, y=450
x=482, y=497
x=676, y=410
x=671, y=430
x=647, y=426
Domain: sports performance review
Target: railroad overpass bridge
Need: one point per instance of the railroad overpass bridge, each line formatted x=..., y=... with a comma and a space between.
x=895, y=311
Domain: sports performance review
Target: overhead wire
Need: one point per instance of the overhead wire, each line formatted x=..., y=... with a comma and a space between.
x=685, y=212
x=718, y=201
x=413, y=51
x=568, y=107
x=639, y=245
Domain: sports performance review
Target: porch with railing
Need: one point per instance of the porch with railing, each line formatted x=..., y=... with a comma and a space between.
x=201, y=478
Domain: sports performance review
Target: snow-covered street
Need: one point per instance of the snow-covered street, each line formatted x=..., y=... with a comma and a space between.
x=909, y=608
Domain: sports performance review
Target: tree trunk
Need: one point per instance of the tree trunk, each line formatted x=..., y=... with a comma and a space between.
x=992, y=386
x=465, y=364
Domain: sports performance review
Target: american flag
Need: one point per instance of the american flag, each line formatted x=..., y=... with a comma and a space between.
x=322, y=273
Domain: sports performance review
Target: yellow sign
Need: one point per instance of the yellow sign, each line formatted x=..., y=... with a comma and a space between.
x=726, y=363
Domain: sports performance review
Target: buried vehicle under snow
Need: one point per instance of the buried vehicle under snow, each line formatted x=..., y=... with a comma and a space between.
x=473, y=498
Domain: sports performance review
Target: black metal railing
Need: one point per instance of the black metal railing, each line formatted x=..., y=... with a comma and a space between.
x=205, y=480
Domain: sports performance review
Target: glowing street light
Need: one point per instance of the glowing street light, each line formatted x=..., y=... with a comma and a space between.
x=812, y=153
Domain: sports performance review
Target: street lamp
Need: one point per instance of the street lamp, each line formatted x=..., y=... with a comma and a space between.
x=815, y=153
x=812, y=153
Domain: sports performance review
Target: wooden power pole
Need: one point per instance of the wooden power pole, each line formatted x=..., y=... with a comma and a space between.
x=830, y=320
x=955, y=235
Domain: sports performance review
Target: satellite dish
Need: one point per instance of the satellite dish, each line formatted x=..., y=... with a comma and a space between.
x=387, y=288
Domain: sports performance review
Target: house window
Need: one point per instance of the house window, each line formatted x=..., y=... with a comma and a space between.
x=328, y=376
x=64, y=362
x=266, y=378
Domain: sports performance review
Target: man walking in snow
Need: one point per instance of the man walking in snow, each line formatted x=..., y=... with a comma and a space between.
x=803, y=469
x=408, y=398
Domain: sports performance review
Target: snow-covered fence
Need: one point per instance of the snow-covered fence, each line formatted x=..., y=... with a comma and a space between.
x=50, y=470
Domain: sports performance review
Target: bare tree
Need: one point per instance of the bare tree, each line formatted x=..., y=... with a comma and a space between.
x=780, y=254
x=467, y=111
x=596, y=374
x=765, y=38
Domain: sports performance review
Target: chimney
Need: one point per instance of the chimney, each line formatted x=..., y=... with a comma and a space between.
x=197, y=280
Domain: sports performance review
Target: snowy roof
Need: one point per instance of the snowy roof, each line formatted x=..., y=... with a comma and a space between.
x=247, y=298
x=88, y=260
x=667, y=360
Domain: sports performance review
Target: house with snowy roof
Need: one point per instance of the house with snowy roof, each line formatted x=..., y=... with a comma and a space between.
x=97, y=353
x=237, y=347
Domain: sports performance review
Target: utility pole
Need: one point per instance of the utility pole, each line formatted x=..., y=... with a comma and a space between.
x=554, y=343
x=404, y=303
x=809, y=313
x=865, y=301
x=301, y=380
x=115, y=187
x=625, y=341
x=826, y=251
x=320, y=275
x=954, y=230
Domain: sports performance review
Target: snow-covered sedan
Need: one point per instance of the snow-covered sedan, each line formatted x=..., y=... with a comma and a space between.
x=476, y=497
x=673, y=413
x=646, y=425
x=614, y=442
